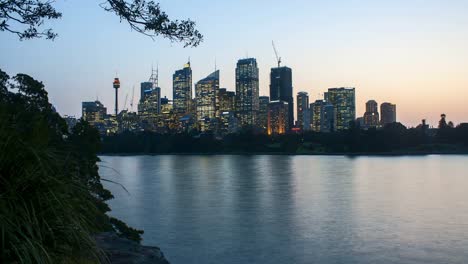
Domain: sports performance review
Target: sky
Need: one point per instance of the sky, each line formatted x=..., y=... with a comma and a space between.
x=413, y=53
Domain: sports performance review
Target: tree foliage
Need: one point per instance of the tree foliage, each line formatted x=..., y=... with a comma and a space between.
x=25, y=18
x=51, y=197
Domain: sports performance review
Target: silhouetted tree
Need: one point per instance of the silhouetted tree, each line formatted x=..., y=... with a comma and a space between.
x=442, y=121
x=25, y=18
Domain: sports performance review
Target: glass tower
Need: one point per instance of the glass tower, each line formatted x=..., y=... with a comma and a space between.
x=281, y=89
x=247, y=91
x=344, y=103
x=206, y=91
x=182, y=89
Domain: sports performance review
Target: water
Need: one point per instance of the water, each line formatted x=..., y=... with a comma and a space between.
x=296, y=209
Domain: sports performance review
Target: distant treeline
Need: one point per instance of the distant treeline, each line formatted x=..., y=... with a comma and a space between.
x=393, y=138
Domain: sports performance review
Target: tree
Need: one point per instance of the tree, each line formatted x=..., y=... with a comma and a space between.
x=442, y=121
x=26, y=17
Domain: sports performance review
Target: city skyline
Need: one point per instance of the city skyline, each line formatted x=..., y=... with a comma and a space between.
x=412, y=54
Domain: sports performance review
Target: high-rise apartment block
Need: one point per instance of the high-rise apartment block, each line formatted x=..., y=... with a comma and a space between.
x=387, y=113
x=371, y=116
x=278, y=118
x=302, y=111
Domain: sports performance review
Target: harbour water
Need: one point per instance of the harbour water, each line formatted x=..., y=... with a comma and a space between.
x=295, y=209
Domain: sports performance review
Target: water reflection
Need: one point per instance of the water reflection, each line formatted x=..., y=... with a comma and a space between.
x=296, y=209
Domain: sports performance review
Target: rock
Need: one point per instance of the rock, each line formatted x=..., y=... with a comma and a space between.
x=123, y=251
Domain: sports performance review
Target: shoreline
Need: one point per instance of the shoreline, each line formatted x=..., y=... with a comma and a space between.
x=365, y=154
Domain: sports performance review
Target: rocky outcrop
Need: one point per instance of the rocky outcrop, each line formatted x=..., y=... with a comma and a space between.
x=123, y=251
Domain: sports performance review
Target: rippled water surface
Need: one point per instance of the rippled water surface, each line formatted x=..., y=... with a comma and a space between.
x=295, y=209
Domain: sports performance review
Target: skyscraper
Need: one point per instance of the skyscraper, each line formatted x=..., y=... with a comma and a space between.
x=302, y=109
x=281, y=89
x=206, y=91
x=278, y=122
x=316, y=109
x=263, y=113
x=344, y=103
x=182, y=89
x=150, y=97
x=322, y=116
x=388, y=113
x=371, y=116
x=247, y=91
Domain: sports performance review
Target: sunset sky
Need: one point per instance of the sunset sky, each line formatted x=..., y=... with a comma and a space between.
x=413, y=53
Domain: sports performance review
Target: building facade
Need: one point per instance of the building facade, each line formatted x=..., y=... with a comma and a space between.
x=316, y=115
x=182, y=90
x=247, y=91
x=227, y=101
x=388, y=113
x=371, y=116
x=281, y=89
x=278, y=118
x=206, y=91
x=263, y=113
x=344, y=103
x=302, y=110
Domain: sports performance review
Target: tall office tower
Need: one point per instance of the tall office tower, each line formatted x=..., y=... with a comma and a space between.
x=182, y=89
x=263, y=112
x=145, y=89
x=116, y=85
x=227, y=100
x=387, y=113
x=278, y=115
x=344, y=102
x=371, y=116
x=206, y=93
x=302, y=108
x=151, y=105
x=281, y=89
x=316, y=115
x=327, y=123
x=247, y=91
x=150, y=98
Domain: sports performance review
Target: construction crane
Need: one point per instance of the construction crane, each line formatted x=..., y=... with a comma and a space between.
x=133, y=97
x=278, y=58
x=125, y=103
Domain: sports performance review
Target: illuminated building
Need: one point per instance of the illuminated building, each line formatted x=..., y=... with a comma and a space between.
x=96, y=115
x=322, y=116
x=263, y=113
x=281, y=89
x=302, y=111
x=182, y=89
x=278, y=118
x=247, y=91
x=145, y=90
x=93, y=112
x=228, y=123
x=316, y=115
x=327, y=123
x=344, y=103
x=371, y=116
x=387, y=113
x=206, y=93
x=226, y=101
